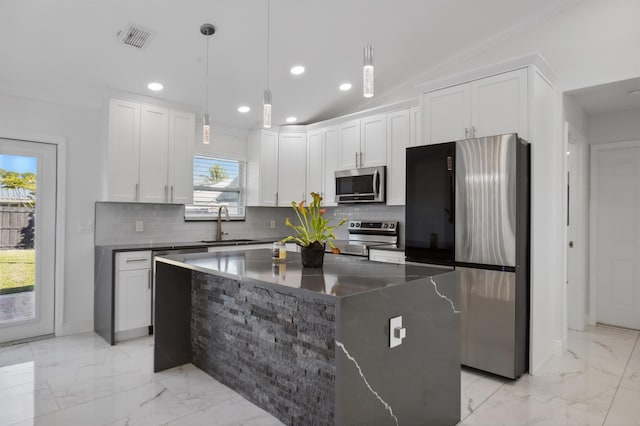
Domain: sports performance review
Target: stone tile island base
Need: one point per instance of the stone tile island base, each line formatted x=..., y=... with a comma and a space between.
x=311, y=358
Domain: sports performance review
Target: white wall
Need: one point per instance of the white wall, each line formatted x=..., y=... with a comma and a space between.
x=575, y=115
x=615, y=126
x=80, y=128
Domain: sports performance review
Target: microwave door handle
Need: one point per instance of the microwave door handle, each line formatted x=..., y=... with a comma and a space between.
x=375, y=184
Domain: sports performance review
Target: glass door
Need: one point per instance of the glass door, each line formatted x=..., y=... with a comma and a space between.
x=27, y=239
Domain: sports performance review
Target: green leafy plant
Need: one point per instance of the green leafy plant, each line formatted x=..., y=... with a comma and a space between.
x=314, y=228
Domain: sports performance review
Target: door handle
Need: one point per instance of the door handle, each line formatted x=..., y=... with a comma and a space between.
x=375, y=184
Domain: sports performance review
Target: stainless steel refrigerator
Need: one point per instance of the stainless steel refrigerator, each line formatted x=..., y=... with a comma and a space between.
x=468, y=208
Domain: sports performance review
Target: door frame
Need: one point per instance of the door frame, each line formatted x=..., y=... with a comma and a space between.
x=58, y=279
x=593, y=287
x=581, y=255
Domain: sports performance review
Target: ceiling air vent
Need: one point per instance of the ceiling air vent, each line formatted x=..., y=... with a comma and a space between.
x=136, y=36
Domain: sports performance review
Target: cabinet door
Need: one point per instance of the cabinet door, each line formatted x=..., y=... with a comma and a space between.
x=373, y=146
x=349, y=147
x=330, y=141
x=269, y=168
x=447, y=114
x=398, y=139
x=292, y=167
x=499, y=104
x=416, y=127
x=181, y=145
x=133, y=299
x=154, y=151
x=315, y=163
x=123, y=150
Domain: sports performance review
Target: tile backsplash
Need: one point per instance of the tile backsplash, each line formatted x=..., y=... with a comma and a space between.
x=115, y=223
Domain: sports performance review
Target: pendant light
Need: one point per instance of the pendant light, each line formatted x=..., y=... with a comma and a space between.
x=266, y=112
x=207, y=30
x=367, y=72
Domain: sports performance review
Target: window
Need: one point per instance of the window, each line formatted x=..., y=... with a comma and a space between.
x=217, y=182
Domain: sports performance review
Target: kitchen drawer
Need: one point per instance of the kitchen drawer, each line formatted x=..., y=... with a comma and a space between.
x=130, y=260
x=386, y=256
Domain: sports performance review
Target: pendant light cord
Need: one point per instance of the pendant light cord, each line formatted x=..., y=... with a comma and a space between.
x=207, y=77
x=268, y=40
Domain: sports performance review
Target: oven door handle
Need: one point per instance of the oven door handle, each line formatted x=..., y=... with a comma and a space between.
x=375, y=184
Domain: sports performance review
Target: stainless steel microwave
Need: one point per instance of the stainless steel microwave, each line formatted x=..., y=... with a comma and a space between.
x=363, y=185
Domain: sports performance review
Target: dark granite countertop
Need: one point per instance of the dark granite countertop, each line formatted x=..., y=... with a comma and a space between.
x=389, y=247
x=182, y=245
x=340, y=276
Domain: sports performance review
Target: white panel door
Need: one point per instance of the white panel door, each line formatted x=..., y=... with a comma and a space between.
x=315, y=163
x=133, y=299
x=330, y=145
x=292, y=168
x=268, y=168
x=373, y=146
x=154, y=152
x=616, y=231
x=349, y=147
x=398, y=139
x=447, y=114
x=123, y=150
x=181, y=146
x=499, y=104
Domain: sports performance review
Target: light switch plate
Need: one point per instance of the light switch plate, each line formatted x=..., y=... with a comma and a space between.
x=396, y=331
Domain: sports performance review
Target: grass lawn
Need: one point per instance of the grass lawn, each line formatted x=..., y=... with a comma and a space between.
x=17, y=268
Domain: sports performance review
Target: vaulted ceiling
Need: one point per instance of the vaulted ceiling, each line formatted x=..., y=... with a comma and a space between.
x=69, y=49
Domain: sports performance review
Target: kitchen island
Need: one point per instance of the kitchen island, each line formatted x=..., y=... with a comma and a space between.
x=312, y=346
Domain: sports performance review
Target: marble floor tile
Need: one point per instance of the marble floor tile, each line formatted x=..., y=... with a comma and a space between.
x=512, y=406
x=196, y=388
x=25, y=401
x=15, y=354
x=625, y=409
x=631, y=377
x=236, y=411
x=138, y=346
x=475, y=388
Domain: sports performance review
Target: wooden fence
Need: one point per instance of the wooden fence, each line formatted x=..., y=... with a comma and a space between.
x=17, y=227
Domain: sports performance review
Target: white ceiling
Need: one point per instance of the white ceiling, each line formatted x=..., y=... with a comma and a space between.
x=610, y=97
x=70, y=47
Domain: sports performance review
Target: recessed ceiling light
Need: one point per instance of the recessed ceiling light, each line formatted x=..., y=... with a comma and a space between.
x=244, y=109
x=345, y=86
x=155, y=86
x=634, y=92
x=292, y=119
x=297, y=70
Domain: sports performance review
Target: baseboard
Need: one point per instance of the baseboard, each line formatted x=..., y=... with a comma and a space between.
x=75, y=327
x=131, y=334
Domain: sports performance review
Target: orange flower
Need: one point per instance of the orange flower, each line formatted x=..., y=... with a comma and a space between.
x=322, y=211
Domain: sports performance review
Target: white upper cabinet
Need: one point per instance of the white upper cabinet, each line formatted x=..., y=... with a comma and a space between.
x=447, y=114
x=499, y=104
x=373, y=146
x=181, y=145
x=485, y=107
x=262, y=174
x=315, y=163
x=349, y=145
x=154, y=152
x=399, y=137
x=363, y=143
x=330, y=145
x=123, y=150
x=292, y=168
x=150, y=153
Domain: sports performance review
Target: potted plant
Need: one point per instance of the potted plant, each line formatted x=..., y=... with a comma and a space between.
x=313, y=232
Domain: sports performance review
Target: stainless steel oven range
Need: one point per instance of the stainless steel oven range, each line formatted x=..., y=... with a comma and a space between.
x=364, y=234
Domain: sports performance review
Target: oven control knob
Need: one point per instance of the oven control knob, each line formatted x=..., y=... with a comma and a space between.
x=386, y=225
x=357, y=225
x=351, y=225
x=392, y=225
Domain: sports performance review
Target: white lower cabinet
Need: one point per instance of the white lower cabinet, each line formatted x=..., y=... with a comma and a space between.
x=133, y=290
x=386, y=256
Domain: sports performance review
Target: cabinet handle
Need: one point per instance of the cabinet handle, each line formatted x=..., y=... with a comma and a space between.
x=166, y=194
x=150, y=278
x=136, y=260
x=137, y=192
x=466, y=133
x=172, y=193
x=473, y=131
x=276, y=198
x=356, y=159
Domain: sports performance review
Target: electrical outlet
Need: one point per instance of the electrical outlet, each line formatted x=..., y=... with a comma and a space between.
x=139, y=225
x=272, y=225
x=396, y=332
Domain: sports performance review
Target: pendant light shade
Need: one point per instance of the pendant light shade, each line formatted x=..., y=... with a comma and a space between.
x=266, y=112
x=207, y=30
x=367, y=72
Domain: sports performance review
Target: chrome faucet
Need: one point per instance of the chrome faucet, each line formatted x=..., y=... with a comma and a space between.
x=219, y=228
